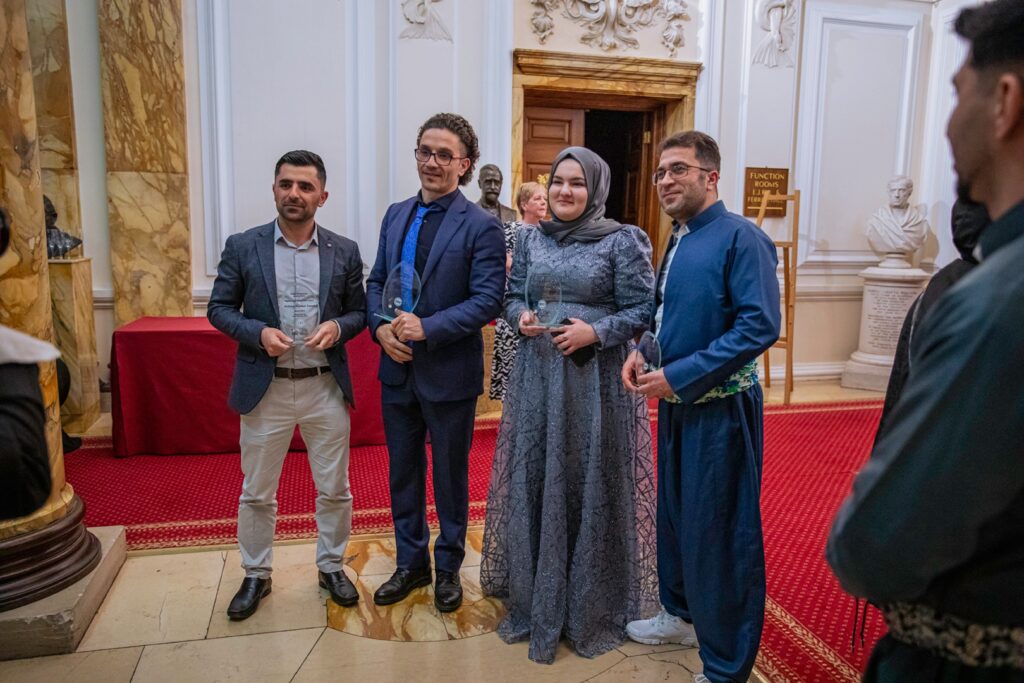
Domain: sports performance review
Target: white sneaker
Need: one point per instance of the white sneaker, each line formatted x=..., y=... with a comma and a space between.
x=662, y=630
x=700, y=678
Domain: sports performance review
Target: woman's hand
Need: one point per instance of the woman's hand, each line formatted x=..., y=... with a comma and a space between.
x=570, y=338
x=528, y=324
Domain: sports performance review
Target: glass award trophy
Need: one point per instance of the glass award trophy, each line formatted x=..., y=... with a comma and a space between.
x=401, y=292
x=544, y=296
x=648, y=354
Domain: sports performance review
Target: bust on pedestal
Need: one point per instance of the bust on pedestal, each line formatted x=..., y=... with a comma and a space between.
x=896, y=231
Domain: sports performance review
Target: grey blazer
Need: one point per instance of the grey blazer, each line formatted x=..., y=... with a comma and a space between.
x=244, y=301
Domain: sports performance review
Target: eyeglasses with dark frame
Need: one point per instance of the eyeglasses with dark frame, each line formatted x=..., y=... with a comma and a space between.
x=677, y=170
x=444, y=158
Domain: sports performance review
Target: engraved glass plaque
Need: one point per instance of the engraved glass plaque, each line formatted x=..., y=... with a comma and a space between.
x=544, y=296
x=648, y=354
x=401, y=292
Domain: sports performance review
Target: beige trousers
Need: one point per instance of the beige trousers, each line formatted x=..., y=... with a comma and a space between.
x=317, y=406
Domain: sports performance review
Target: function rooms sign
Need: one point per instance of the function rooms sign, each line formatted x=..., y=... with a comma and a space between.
x=762, y=181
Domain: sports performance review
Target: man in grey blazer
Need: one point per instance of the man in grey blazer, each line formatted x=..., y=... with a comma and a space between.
x=291, y=294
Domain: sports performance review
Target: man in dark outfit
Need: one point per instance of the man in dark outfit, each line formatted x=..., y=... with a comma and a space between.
x=934, y=530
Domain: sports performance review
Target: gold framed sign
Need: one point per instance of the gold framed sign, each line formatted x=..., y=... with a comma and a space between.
x=761, y=181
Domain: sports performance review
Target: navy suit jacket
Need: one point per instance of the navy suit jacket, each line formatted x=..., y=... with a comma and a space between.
x=246, y=280
x=463, y=288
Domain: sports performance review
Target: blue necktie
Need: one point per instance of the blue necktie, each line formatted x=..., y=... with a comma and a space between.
x=409, y=255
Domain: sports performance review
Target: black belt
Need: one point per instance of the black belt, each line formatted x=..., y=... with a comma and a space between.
x=301, y=373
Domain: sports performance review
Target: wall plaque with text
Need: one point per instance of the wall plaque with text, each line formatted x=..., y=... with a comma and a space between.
x=762, y=181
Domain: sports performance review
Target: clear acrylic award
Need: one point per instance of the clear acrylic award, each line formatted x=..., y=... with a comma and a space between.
x=401, y=292
x=544, y=296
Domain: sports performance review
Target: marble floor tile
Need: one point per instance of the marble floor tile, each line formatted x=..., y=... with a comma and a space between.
x=632, y=648
x=157, y=599
x=412, y=619
x=295, y=602
x=478, y=615
x=264, y=657
x=107, y=666
x=474, y=545
x=484, y=658
x=371, y=556
x=679, y=665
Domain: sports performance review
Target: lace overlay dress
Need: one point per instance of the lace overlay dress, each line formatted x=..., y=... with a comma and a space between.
x=569, y=543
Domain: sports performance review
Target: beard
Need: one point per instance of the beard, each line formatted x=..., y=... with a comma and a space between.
x=963, y=190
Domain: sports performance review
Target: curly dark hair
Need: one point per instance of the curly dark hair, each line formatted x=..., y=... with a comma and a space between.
x=465, y=133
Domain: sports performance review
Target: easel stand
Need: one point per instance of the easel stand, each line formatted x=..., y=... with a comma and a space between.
x=788, y=248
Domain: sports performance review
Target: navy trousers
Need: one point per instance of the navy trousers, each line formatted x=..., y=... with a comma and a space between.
x=407, y=419
x=710, y=545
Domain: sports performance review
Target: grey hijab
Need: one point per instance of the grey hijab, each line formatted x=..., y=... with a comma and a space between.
x=591, y=225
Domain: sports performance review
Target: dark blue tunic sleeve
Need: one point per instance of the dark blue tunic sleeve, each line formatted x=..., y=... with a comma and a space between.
x=748, y=291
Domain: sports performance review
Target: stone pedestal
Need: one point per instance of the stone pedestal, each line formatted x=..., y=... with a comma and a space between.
x=889, y=290
x=56, y=624
x=47, y=551
x=75, y=327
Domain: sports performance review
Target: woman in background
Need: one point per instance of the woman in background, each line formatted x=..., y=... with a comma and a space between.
x=532, y=202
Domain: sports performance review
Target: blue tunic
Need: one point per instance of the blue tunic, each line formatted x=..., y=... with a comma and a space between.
x=721, y=311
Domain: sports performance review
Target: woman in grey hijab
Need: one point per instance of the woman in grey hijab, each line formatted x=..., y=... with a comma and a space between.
x=569, y=541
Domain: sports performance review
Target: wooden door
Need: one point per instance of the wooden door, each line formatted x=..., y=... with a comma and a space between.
x=546, y=132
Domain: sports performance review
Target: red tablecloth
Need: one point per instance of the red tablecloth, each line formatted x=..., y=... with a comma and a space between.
x=169, y=382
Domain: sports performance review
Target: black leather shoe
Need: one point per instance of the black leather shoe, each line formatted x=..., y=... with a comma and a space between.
x=340, y=587
x=248, y=597
x=401, y=583
x=447, y=591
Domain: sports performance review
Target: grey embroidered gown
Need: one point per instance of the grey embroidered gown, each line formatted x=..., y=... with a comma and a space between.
x=569, y=543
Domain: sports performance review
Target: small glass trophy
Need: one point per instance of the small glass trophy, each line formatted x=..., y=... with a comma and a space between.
x=648, y=354
x=401, y=292
x=544, y=296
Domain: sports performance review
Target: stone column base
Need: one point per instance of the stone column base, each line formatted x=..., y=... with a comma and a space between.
x=867, y=371
x=56, y=624
x=39, y=563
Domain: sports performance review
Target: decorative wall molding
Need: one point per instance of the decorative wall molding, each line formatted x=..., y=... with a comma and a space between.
x=103, y=298
x=426, y=24
x=809, y=371
x=676, y=77
x=709, y=85
x=215, y=127
x=938, y=179
x=823, y=17
x=779, y=19
x=610, y=23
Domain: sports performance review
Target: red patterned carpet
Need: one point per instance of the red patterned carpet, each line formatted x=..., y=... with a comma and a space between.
x=811, y=455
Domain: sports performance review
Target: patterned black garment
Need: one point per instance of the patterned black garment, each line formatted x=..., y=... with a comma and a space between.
x=569, y=543
x=506, y=341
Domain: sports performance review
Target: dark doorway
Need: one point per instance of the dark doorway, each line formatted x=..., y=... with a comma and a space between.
x=618, y=136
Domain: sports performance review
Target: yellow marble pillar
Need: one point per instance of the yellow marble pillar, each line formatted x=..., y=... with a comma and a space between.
x=147, y=165
x=75, y=326
x=51, y=70
x=25, y=288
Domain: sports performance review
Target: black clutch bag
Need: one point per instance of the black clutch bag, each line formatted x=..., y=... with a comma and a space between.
x=581, y=356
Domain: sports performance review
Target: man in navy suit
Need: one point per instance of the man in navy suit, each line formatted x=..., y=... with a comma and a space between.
x=300, y=290
x=431, y=367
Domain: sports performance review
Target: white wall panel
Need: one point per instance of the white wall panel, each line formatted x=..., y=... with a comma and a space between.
x=859, y=93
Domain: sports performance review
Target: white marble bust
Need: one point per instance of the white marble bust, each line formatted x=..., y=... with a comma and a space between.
x=898, y=229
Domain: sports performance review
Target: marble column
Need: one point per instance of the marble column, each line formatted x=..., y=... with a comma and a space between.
x=51, y=70
x=49, y=549
x=147, y=164
x=75, y=330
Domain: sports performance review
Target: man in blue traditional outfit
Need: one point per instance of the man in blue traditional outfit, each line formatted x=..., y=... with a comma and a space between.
x=933, y=532
x=716, y=311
